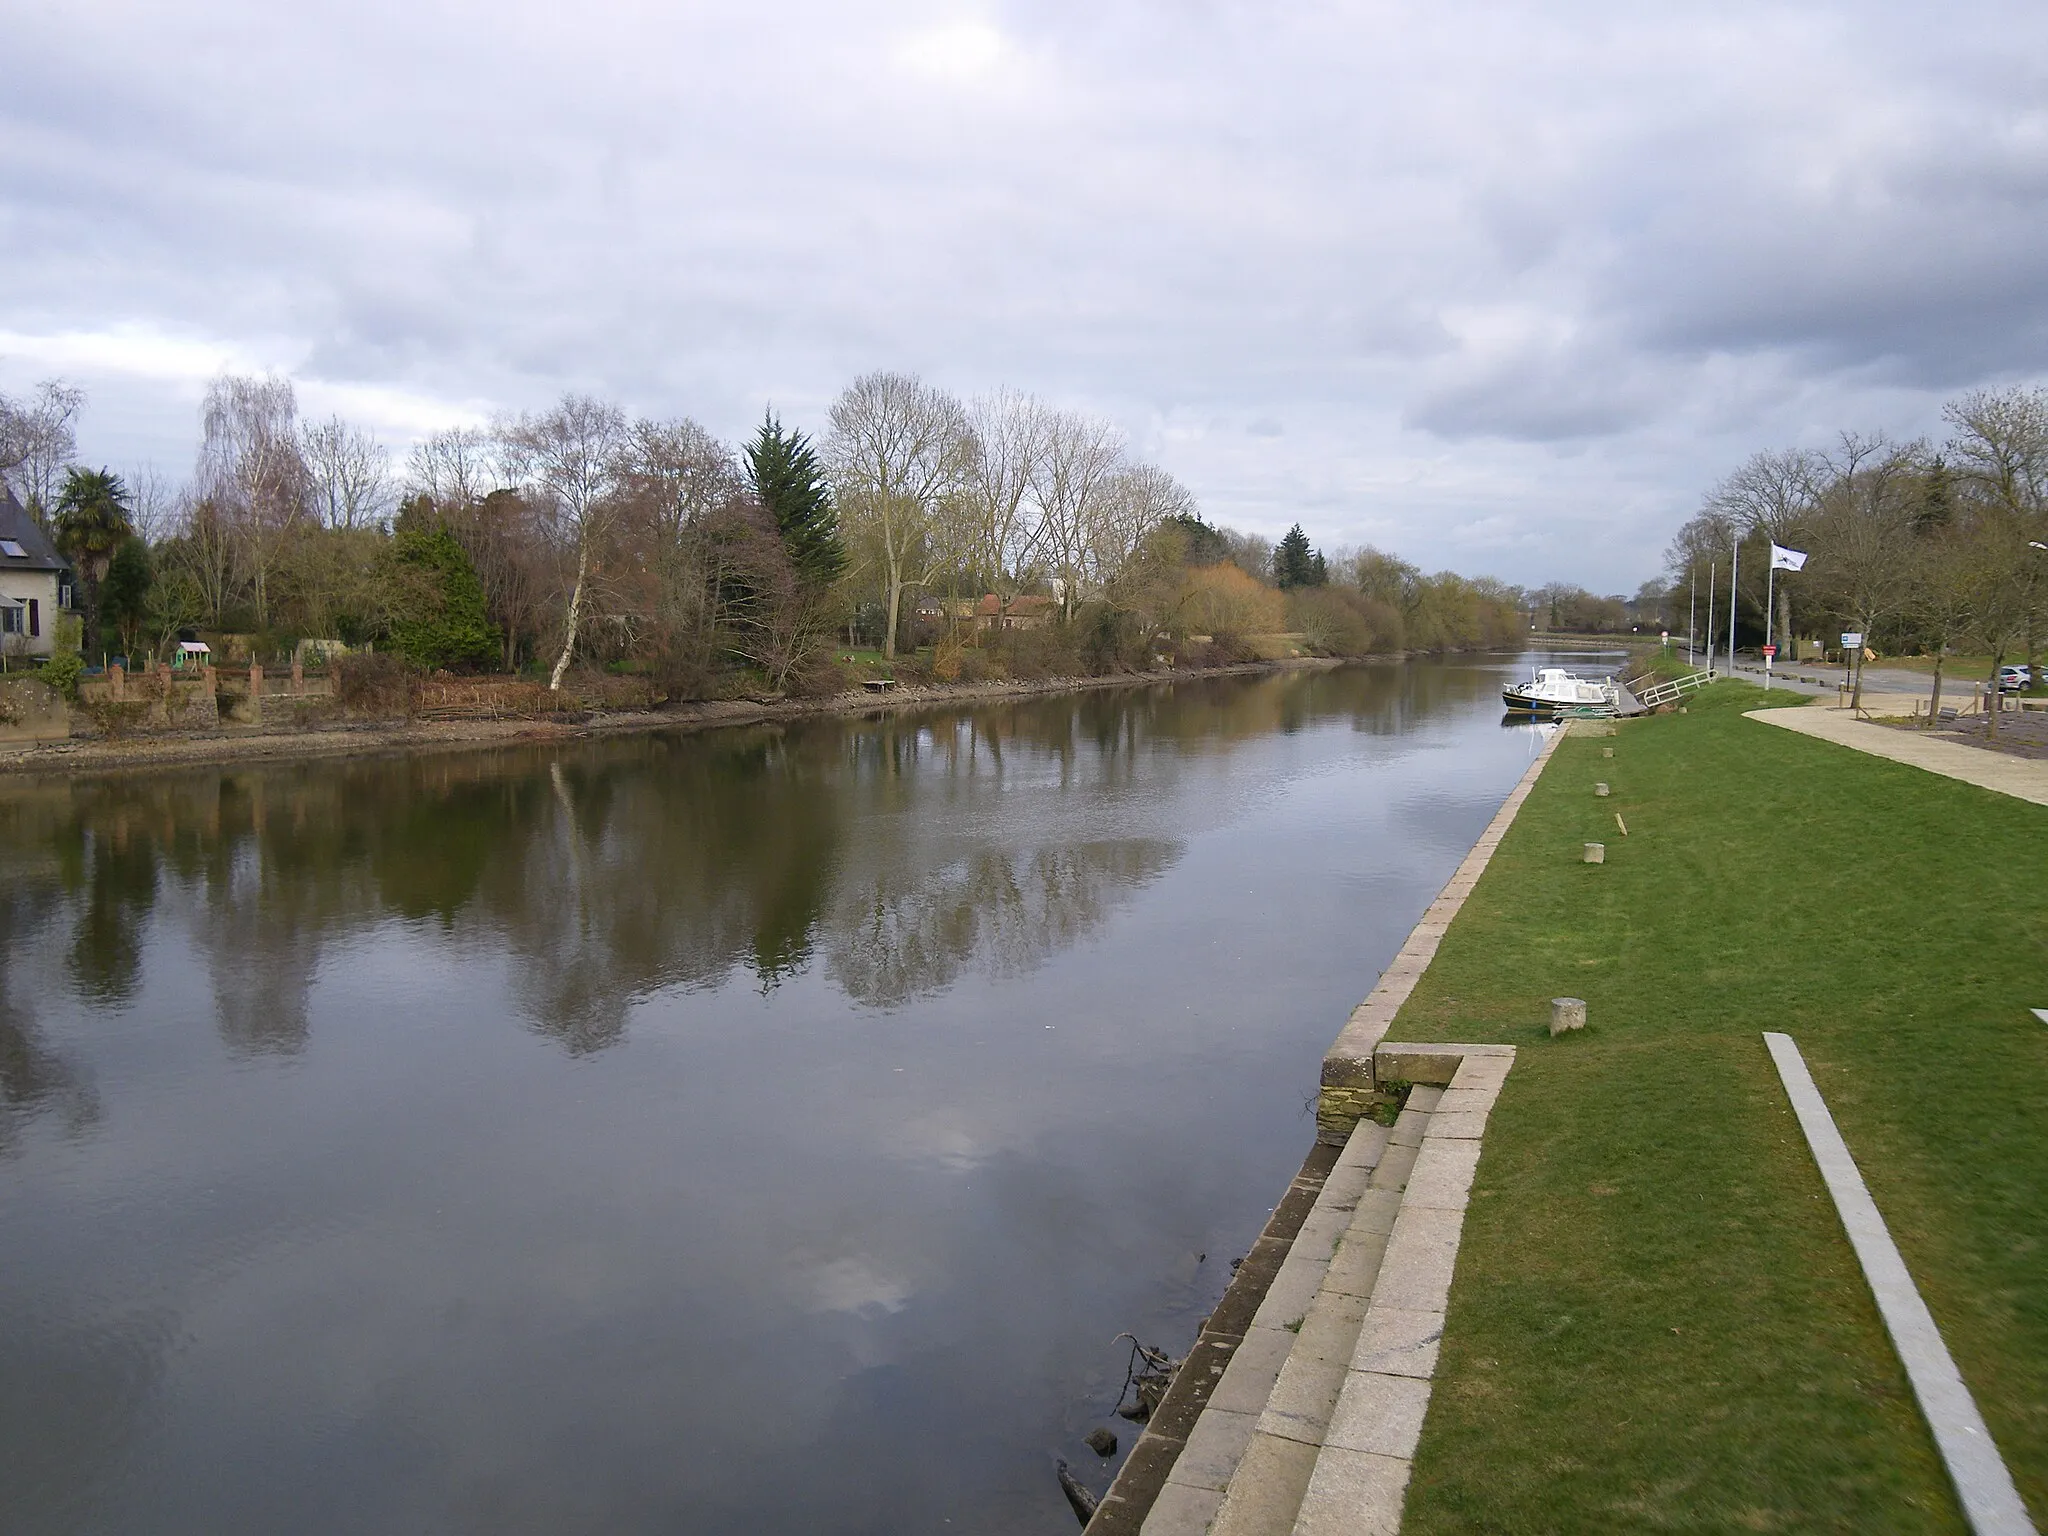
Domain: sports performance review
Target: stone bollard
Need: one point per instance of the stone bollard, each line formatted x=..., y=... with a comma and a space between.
x=1607, y=751
x=1600, y=791
x=1596, y=853
x=1566, y=1013
x=117, y=678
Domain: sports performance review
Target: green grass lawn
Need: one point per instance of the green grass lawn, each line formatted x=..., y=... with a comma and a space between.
x=1657, y=1323
x=1964, y=669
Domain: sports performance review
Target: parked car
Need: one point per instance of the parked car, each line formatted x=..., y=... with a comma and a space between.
x=2015, y=679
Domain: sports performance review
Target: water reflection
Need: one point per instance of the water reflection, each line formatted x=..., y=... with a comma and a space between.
x=502, y=1141
x=614, y=870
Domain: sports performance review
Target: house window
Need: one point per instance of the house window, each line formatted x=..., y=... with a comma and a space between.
x=13, y=619
x=63, y=594
x=12, y=550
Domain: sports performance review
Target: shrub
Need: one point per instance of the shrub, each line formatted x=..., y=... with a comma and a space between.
x=376, y=683
x=817, y=676
x=1223, y=600
x=1048, y=651
x=62, y=672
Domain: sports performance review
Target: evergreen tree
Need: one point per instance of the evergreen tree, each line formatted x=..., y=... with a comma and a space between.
x=786, y=475
x=1296, y=565
x=1205, y=546
x=1937, y=497
x=124, y=593
x=441, y=619
x=91, y=526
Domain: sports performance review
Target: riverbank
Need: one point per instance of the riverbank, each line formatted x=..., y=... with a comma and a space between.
x=1656, y=1320
x=366, y=738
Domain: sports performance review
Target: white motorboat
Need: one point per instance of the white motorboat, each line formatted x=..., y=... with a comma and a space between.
x=1555, y=691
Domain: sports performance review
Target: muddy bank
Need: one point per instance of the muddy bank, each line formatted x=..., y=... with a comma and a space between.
x=373, y=736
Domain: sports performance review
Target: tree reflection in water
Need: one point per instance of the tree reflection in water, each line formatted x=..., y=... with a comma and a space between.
x=909, y=849
x=278, y=1164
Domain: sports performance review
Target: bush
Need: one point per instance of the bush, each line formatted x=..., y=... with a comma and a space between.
x=817, y=676
x=1048, y=651
x=377, y=683
x=1225, y=650
x=62, y=672
x=1335, y=622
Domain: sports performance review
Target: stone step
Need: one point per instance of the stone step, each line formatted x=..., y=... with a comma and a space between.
x=1312, y=1427
x=1249, y=1458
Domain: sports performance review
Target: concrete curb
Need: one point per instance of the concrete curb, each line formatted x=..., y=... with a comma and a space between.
x=1990, y=1501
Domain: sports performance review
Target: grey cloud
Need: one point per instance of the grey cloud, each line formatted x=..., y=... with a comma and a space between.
x=1743, y=221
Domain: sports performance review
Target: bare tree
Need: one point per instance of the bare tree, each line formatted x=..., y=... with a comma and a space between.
x=2000, y=448
x=1943, y=601
x=568, y=457
x=251, y=471
x=1082, y=453
x=159, y=505
x=459, y=465
x=508, y=549
x=1004, y=460
x=675, y=482
x=1774, y=494
x=349, y=474
x=1863, y=534
x=37, y=442
x=899, y=451
x=1133, y=502
x=2000, y=453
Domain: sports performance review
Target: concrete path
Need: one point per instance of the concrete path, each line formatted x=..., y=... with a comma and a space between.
x=2023, y=778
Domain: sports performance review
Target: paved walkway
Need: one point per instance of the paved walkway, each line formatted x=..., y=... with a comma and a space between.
x=2023, y=778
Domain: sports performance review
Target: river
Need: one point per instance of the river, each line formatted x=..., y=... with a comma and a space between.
x=760, y=1131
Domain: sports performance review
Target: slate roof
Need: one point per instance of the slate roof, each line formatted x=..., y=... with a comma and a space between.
x=16, y=524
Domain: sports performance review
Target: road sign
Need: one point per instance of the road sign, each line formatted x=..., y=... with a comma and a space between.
x=1851, y=639
x=1770, y=651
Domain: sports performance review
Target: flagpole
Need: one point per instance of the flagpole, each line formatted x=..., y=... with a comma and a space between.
x=1734, y=573
x=1692, y=597
x=1770, y=587
x=1713, y=570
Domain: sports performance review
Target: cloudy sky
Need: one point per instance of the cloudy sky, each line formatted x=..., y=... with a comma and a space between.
x=1502, y=288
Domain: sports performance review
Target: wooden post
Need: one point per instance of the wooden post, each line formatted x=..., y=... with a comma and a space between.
x=119, y=679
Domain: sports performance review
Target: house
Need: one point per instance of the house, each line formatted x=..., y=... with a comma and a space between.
x=35, y=582
x=1022, y=613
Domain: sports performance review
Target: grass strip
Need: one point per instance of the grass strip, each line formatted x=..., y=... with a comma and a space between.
x=1657, y=1322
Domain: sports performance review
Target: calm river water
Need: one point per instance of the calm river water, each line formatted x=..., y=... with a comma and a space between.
x=764, y=1131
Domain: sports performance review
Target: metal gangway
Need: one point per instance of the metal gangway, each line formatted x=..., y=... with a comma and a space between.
x=1656, y=695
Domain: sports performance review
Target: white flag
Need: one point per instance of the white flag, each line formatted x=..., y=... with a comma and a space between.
x=1783, y=559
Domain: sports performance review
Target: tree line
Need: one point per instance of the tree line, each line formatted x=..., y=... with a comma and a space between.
x=1923, y=546
x=580, y=535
